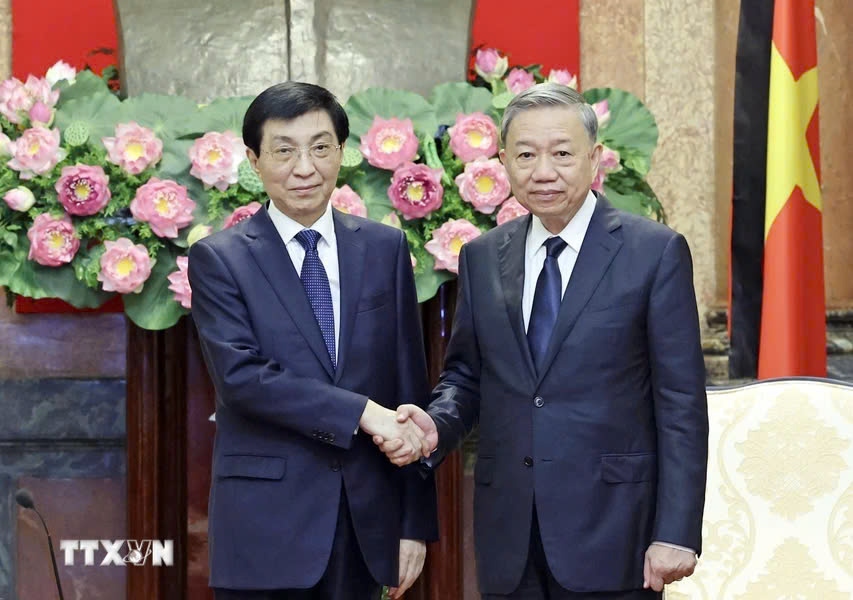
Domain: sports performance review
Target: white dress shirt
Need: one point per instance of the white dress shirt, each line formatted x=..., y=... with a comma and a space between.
x=327, y=249
x=535, y=252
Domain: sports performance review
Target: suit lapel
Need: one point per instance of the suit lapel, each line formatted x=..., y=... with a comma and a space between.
x=511, y=260
x=351, y=255
x=596, y=253
x=270, y=253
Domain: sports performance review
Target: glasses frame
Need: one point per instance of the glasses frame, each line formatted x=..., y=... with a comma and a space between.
x=299, y=152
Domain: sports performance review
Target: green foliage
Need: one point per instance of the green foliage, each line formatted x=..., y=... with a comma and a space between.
x=87, y=111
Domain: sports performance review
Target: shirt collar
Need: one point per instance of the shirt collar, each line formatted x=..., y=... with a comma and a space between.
x=573, y=233
x=288, y=228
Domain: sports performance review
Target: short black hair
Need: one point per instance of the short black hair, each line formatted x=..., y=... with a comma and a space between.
x=289, y=100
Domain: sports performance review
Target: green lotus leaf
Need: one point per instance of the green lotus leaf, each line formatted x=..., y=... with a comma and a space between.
x=631, y=125
x=223, y=114
x=98, y=113
x=167, y=116
x=85, y=84
x=372, y=185
x=451, y=99
x=387, y=103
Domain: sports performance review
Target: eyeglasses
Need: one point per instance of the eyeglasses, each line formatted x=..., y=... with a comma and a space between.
x=287, y=154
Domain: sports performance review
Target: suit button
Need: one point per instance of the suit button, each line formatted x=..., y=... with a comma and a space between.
x=528, y=461
x=331, y=437
x=539, y=401
x=336, y=465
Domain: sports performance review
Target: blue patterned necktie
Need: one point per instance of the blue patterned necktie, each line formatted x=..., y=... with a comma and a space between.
x=316, y=285
x=546, y=302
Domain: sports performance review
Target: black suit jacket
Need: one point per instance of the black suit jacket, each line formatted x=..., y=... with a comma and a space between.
x=610, y=438
x=285, y=418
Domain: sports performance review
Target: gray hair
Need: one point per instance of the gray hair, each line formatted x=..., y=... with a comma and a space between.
x=550, y=94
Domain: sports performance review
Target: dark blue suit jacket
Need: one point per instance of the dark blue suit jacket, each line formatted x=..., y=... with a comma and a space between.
x=285, y=418
x=610, y=438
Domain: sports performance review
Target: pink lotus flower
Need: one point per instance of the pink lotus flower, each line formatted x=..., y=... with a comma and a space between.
x=602, y=111
x=180, y=284
x=20, y=199
x=510, y=210
x=61, y=71
x=17, y=100
x=390, y=143
x=14, y=100
x=609, y=163
x=197, y=233
x=215, y=158
x=6, y=146
x=53, y=241
x=164, y=205
x=241, y=213
x=125, y=267
x=519, y=80
x=134, y=147
x=392, y=220
x=484, y=184
x=473, y=136
x=490, y=65
x=40, y=90
x=36, y=152
x=447, y=242
x=41, y=114
x=416, y=190
x=563, y=77
x=83, y=189
x=347, y=201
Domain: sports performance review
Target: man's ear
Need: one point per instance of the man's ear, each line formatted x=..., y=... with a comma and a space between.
x=502, y=156
x=253, y=158
x=595, y=158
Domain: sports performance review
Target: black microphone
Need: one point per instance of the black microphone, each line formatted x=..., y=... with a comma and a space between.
x=25, y=499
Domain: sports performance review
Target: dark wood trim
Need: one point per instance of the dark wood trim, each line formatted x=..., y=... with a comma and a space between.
x=156, y=455
x=442, y=578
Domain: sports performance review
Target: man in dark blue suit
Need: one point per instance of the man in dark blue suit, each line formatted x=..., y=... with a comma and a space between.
x=576, y=349
x=309, y=326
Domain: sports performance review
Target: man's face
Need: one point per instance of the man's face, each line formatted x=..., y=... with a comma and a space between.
x=299, y=165
x=551, y=163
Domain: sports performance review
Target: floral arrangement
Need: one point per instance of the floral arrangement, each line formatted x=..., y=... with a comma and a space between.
x=103, y=196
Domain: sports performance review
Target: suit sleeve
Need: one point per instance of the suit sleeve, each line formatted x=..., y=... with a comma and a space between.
x=680, y=403
x=419, y=503
x=256, y=386
x=455, y=405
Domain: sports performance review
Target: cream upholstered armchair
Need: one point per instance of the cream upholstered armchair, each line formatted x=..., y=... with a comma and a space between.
x=779, y=507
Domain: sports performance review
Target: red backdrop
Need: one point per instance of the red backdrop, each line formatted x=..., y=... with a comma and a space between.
x=532, y=31
x=535, y=31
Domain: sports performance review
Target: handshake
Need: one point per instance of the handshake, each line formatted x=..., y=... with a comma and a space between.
x=403, y=436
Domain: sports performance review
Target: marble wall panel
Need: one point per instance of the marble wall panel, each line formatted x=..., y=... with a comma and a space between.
x=68, y=435
x=679, y=63
x=203, y=48
x=61, y=345
x=79, y=508
x=612, y=45
x=407, y=44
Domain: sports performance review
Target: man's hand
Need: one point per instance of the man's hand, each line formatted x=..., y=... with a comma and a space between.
x=384, y=423
x=664, y=565
x=412, y=554
x=395, y=449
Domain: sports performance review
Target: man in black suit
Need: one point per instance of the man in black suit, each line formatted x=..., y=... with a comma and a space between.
x=576, y=349
x=309, y=325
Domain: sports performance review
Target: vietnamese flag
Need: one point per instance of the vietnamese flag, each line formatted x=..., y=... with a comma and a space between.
x=778, y=313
